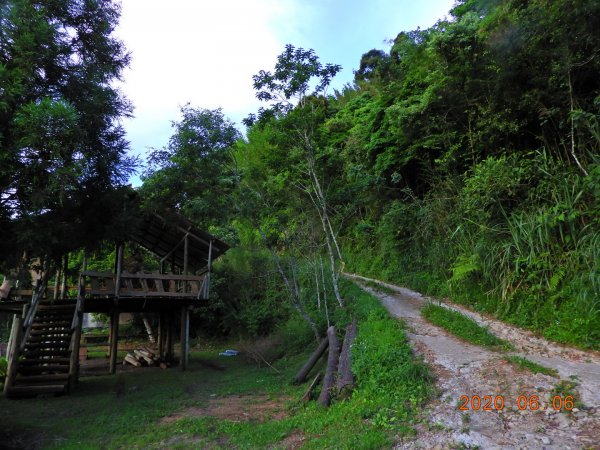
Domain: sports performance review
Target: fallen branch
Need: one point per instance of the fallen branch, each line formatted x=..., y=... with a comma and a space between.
x=308, y=394
x=305, y=370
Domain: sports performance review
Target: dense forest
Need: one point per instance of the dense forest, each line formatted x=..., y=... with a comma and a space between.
x=463, y=162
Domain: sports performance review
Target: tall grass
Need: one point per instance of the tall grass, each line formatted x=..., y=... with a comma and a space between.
x=516, y=236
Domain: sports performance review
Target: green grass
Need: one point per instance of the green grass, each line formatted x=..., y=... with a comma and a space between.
x=525, y=364
x=463, y=327
x=125, y=411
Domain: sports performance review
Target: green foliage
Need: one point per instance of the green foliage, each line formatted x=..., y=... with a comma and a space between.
x=456, y=164
x=463, y=327
x=525, y=364
x=62, y=145
x=194, y=173
x=294, y=71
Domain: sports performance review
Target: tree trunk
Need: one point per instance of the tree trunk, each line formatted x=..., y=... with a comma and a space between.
x=305, y=370
x=332, y=361
x=345, y=380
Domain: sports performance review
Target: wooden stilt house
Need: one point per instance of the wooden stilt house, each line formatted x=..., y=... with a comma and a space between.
x=43, y=352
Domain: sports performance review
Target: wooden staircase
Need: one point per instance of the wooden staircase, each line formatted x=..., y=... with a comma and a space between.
x=44, y=349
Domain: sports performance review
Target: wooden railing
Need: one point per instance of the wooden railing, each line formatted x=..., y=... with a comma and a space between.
x=21, y=328
x=103, y=284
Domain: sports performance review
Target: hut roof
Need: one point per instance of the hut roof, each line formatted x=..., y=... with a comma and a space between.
x=164, y=236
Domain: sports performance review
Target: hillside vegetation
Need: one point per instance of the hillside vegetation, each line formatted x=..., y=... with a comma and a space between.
x=463, y=162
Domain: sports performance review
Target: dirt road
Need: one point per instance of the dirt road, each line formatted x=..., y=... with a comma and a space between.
x=465, y=370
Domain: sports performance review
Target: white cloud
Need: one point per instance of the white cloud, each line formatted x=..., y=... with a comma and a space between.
x=200, y=52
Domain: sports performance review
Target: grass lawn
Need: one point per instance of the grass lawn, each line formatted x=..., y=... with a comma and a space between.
x=242, y=406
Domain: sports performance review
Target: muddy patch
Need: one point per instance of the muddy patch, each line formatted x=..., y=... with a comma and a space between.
x=236, y=408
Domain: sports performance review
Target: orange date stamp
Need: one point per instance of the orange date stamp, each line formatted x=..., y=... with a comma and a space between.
x=523, y=402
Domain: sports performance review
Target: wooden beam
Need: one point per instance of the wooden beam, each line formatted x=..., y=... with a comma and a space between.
x=114, y=340
x=148, y=276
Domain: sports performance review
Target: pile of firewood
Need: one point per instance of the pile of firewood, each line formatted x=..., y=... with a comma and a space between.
x=143, y=357
x=338, y=380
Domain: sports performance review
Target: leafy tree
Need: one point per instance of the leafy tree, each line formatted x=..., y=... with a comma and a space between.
x=194, y=173
x=373, y=64
x=61, y=142
x=300, y=77
x=291, y=82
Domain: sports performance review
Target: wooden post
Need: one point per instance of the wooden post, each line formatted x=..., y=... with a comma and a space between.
x=114, y=319
x=114, y=340
x=185, y=331
x=185, y=254
x=63, y=281
x=16, y=335
x=169, y=336
x=76, y=329
x=209, y=262
x=56, y=281
x=161, y=335
x=119, y=271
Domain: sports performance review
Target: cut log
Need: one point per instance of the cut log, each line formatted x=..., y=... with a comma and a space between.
x=141, y=356
x=332, y=362
x=308, y=394
x=303, y=373
x=345, y=378
x=145, y=352
x=131, y=359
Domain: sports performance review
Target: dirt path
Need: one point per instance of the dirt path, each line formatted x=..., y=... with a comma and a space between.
x=463, y=369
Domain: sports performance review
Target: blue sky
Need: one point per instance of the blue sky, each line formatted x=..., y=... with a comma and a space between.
x=205, y=52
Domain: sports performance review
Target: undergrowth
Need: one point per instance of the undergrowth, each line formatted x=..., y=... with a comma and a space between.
x=517, y=237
